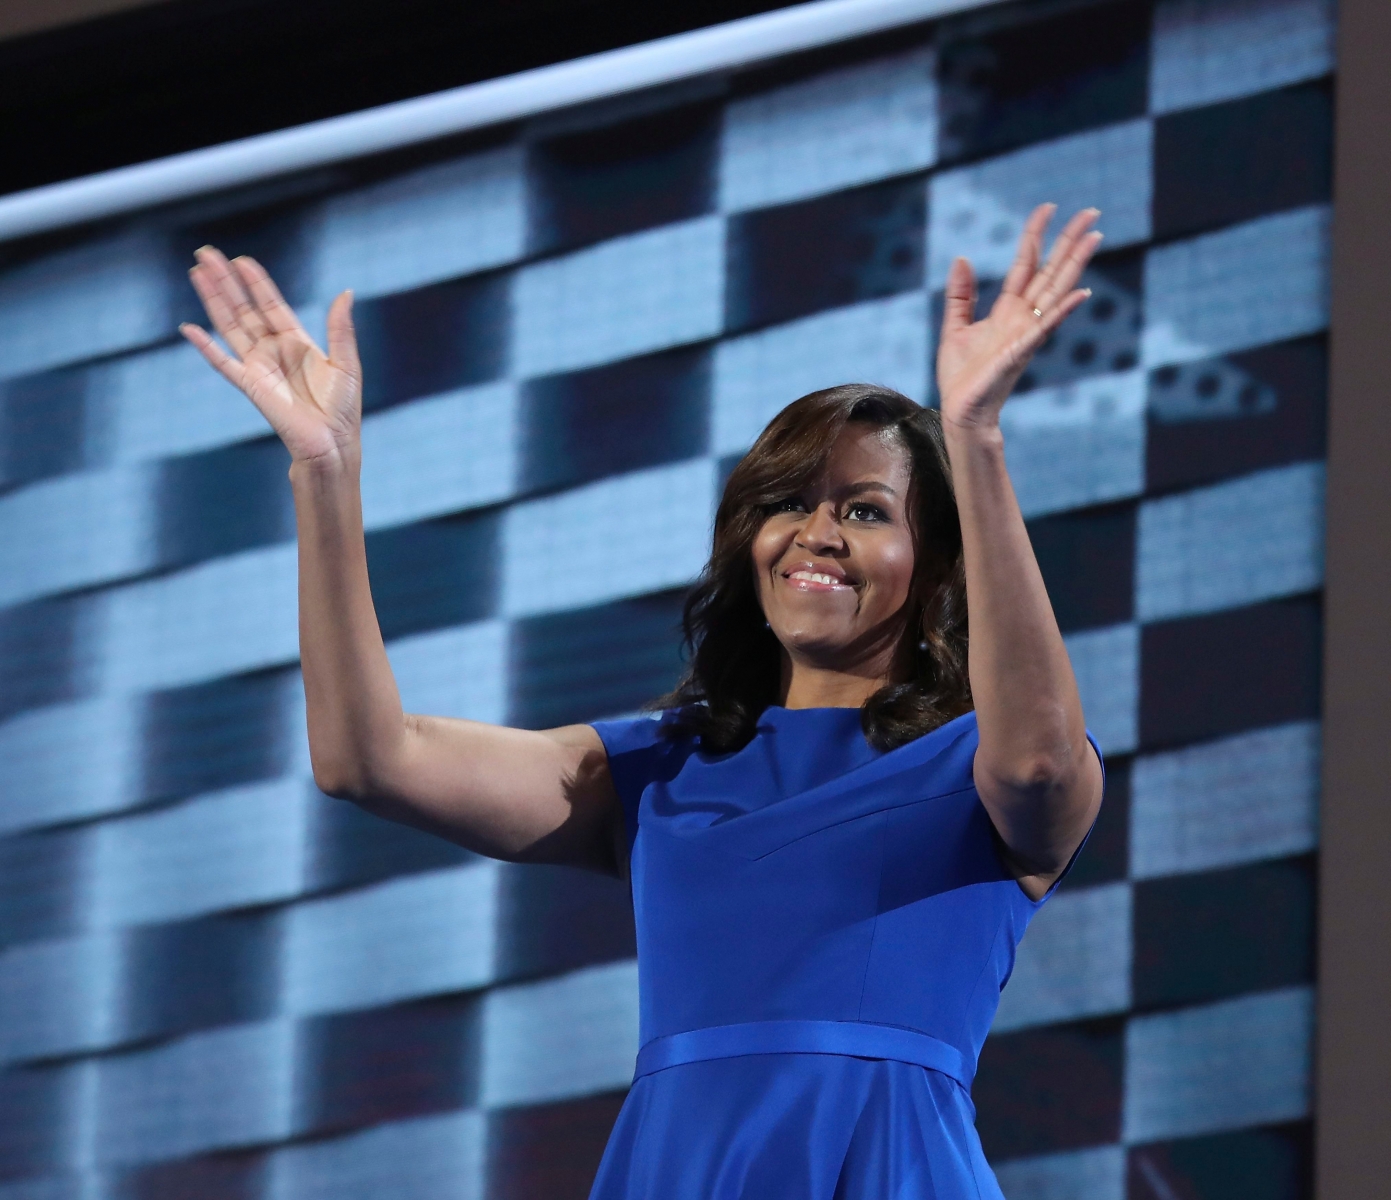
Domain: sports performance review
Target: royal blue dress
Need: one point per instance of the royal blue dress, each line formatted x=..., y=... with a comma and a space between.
x=823, y=932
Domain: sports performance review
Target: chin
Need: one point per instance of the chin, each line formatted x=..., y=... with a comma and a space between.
x=817, y=643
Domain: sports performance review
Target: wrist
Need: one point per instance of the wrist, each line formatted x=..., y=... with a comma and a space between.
x=972, y=433
x=339, y=462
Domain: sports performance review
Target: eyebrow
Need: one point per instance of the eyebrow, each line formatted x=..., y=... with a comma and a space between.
x=869, y=485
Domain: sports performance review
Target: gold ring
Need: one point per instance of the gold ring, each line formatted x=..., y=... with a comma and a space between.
x=1038, y=313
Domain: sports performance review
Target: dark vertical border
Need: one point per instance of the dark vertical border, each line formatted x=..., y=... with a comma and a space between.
x=1353, y=1148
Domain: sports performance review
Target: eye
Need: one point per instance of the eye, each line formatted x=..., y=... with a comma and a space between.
x=790, y=504
x=863, y=511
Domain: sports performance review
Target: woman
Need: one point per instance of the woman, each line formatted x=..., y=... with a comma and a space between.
x=836, y=833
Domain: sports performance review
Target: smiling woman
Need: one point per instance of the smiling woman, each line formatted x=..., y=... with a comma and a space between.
x=844, y=506
x=840, y=824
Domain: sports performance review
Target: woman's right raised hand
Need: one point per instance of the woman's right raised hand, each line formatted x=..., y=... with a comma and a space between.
x=312, y=400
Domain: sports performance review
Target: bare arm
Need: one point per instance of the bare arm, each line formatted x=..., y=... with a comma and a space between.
x=1036, y=773
x=508, y=793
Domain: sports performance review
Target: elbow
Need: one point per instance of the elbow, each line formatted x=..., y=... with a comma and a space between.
x=359, y=768
x=1037, y=774
x=333, y=781
x=1031, y=776
x=340, y=778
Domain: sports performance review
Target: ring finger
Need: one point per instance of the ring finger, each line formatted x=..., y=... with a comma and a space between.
x=1059, y=256
x=1064, y=278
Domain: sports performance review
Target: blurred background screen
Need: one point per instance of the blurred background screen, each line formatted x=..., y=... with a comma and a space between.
x=217, y=983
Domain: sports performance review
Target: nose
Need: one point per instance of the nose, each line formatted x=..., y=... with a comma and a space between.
x=820, y=532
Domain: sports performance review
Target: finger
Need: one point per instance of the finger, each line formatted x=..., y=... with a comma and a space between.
x=342, y=337
x=959, y=308
x=278, y=316
x=220, y=312
x=222, y=362
x=1066, y=241
x=1030, y=251
x=234, y=293
x=1069, y=271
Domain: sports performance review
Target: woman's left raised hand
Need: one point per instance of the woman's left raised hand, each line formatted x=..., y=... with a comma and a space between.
x=979, y=362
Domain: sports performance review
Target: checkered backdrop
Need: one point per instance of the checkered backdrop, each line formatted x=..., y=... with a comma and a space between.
x=216, y=982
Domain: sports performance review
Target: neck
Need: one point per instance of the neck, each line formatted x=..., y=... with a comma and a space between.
x=808, y=686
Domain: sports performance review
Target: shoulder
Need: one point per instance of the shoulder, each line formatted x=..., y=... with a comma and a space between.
x=948, y=753
x=641, y=749
x=628, y=734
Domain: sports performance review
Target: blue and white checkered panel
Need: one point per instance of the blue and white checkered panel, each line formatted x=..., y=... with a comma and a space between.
x=979, y=210
x=216, y=981
x=426, y=226
x=832, y=131
x=1204, y=53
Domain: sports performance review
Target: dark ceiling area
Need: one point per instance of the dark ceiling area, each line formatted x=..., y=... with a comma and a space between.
x=174, y=76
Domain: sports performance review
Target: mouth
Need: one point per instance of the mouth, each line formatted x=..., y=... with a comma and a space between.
x=818, y=577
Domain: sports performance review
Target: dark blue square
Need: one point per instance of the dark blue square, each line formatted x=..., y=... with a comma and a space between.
x=435, y=573
x=33, y=1128
x=633, y=174
x=432, y=339
x=234, y=1176
x=213, y=735
x=1239, y=160
x=1088, y=564
x=549, y=1150
x=1223, y=417
x=224, y=500
x=43, y=425
x=387, y=1064
x=43, y=880
x=801, y=258
x=594, y=662
x=615, y=418
x=553, y=919
x=198, y=974
x=1038, y=79
x=1213, y=934
x=1055, y=1088
x=1273, y=1163
x=43, y=657
x=1223, y=673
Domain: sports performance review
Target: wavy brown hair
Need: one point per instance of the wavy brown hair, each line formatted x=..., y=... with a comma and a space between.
x=735, y=660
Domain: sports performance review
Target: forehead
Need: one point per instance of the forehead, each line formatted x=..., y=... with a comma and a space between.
x=863, y=453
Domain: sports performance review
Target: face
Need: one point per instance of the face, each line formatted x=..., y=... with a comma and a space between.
x=834, y=562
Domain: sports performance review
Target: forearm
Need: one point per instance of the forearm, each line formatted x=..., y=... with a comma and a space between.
x=509, y=792
x=1032, y=735
x=354, y=709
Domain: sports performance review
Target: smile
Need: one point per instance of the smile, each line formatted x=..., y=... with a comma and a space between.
x=806, y=579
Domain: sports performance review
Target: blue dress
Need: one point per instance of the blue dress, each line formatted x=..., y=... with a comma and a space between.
x=823, y=932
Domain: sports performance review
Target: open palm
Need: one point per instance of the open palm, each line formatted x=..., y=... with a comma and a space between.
x=979, y=362
x=312, y=400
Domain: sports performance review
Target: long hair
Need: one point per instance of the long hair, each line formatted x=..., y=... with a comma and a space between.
x=735, y=664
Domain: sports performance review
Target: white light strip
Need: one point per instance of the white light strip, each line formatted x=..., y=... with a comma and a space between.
x=474, y=106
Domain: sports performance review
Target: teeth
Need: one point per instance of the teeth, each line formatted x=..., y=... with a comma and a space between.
x=814, y=577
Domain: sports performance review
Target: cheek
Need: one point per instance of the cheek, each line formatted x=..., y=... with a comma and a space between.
x=764, y=553
x=893, y=569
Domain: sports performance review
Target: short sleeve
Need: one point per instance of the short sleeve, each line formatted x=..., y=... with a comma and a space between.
x=1053, y=887
x=638, y=754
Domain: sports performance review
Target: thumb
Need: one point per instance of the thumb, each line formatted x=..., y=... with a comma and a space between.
x=342, y=338
x=959, y=309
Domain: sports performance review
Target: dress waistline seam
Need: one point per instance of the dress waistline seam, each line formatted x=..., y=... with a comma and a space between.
x=856, y=1039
